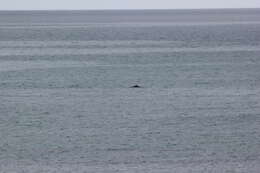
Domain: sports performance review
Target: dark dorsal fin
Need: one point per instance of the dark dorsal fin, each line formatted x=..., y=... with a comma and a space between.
x=135, y=86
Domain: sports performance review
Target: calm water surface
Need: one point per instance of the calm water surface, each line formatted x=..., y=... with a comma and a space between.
x=66, y=102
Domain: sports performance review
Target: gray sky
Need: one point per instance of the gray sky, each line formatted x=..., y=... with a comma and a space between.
x=124, y=4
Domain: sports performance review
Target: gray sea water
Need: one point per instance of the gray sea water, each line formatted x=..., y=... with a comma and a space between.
x=66, y=102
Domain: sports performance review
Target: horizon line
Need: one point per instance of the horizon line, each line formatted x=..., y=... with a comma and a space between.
x=134, y=9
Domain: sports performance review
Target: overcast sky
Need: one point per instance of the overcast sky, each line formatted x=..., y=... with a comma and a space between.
x=124, y=4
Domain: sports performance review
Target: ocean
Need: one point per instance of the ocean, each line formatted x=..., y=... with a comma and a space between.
x=67, y=103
